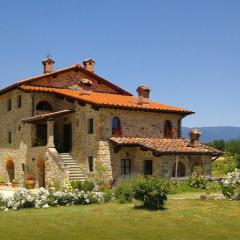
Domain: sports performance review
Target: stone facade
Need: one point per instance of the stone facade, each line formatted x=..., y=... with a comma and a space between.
x=28, y=159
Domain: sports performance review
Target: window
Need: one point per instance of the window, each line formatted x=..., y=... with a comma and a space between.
x=148, y=167
x=44, y=106
x=116, y=126
x=168, y=129
x=9, y=137
x=19, y=101
x=181, y=170
x=90, y=164
x=41, y=135
x=90, y=125
x=125, y=166
x=9, y=104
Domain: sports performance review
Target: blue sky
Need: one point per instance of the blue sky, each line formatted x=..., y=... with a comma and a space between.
x=187, y=51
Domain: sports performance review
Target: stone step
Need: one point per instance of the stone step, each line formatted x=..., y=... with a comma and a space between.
x=76, y=173
x=74, y=169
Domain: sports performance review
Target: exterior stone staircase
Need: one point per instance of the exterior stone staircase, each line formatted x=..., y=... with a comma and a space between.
x=74, y=169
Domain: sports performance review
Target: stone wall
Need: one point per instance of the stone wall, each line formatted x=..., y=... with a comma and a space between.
x=137, y=123
x=72, y=78
x=133, y=122
x=163, y=166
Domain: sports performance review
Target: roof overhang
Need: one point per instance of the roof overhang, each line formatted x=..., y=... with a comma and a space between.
x=47, y=116
x=84, y=100
x=160, y=146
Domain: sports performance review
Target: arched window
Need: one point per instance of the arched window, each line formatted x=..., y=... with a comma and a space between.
x=10, y=170
x=168, y=129
x=44, y=106
x=181, y=170
x=116, y=126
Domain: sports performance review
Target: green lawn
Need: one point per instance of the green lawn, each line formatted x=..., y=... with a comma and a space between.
x=183, y=219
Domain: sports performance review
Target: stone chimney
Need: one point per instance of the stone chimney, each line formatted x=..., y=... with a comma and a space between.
x=47, y=65
x=143, y=94
x=89, y=64
x=194, y=136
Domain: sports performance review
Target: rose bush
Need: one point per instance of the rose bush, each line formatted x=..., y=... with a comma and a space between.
x=45, y=198
x=231, y=185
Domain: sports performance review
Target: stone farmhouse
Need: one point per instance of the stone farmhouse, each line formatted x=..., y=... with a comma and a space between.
x=61, y=123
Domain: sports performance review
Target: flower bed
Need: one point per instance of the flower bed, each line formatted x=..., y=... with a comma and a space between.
x=44, y=198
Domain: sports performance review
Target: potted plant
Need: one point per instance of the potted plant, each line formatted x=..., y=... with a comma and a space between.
x=2, y=181
x=15, y=183
x=30, y=182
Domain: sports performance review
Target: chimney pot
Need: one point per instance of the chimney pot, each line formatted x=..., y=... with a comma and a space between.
x=194, y=136
x=89, y=65
x=143, y=94
x=48, y=65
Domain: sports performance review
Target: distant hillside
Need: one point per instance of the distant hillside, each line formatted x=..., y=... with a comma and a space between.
x=213, y=133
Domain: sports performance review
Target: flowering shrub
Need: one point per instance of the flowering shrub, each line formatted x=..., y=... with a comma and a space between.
x=197, y=179
x=44, y=198
x=22, y=198
x=231, y=185
x=152, y=192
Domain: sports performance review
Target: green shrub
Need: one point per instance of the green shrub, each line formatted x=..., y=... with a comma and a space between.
x=124, y=190
x=1, y=200
x=152, y=192
x=197, y=179
x=213, y=186
x=86, y=186
x=107, y=196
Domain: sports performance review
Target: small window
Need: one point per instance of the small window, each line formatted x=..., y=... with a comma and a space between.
x=116, y=126
x=9, y=137
x=168, y=129
x=90, y=125
x=125, y=166
x=19, y=101
x=9, y=104
x=44, y=106
x=90, y=164
x=116, y=123
x=148, y=167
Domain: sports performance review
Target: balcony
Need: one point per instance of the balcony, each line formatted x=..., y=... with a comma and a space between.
x=116, y=132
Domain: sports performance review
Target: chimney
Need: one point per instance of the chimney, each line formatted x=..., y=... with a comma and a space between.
x=194, y=136
x=143, y=94
x=47, y=65
x=89, y=64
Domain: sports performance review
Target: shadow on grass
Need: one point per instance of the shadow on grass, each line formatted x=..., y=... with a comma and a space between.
x=142, y=207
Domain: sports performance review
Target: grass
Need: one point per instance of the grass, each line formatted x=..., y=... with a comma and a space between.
x=183, y=187
x=182, y=219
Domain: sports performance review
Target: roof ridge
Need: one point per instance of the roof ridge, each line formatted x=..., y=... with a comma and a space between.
x=94, y=75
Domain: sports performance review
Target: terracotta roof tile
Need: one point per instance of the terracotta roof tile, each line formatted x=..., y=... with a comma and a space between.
x=108, y=100
x=47, y=116
x=166, y=146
